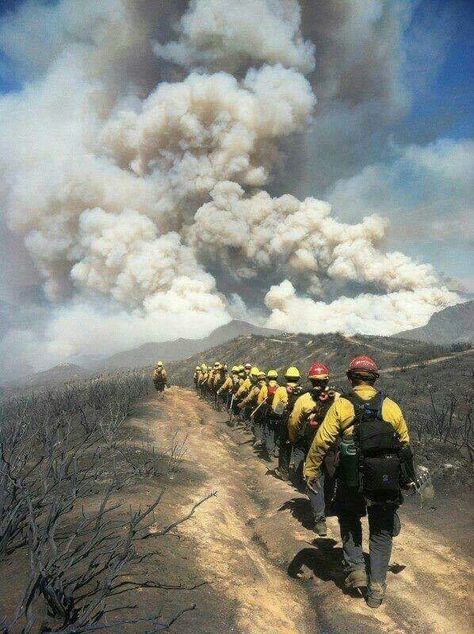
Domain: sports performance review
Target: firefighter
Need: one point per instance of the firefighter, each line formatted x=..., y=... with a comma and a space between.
x=160, y=377
x=203, y=379
x=368, y=479
x=245, y=389
x=267, y=422
x=225, y=390
x=196, y=375
x=220, y=376
x=307, y=415
x=251, y=403
x=282, y=404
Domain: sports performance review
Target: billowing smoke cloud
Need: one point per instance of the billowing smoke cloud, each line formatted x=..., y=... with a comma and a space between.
x=134, y=166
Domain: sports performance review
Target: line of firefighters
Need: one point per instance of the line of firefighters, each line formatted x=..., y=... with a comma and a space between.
x=349, y=452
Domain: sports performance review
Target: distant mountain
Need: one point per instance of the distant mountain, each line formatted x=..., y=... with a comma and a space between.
x=149, y=353
x=451, y=325
x=58, y=374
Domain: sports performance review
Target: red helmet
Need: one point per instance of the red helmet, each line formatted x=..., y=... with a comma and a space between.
x=318, y=371
x=363, y=365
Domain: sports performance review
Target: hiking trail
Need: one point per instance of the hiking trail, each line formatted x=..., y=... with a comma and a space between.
x=253, y=543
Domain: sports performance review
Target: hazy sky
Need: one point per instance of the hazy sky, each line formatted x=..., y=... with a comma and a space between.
x=119, y=222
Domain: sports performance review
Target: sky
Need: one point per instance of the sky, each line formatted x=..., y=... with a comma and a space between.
x=167, y=166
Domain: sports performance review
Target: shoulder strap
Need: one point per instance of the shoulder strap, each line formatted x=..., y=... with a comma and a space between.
x=375, y=404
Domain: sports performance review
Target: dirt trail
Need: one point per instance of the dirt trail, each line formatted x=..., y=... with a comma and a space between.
x=253, y=542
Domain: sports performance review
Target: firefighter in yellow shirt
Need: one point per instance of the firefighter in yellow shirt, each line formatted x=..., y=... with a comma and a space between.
x=375, y=460
x=203, y=376
x=251, y=403
x=267, y=422
x=282, y=404
x=160, y=377
x=220, y=375
x=246, y=384
x=243, y=392
x=307, y=415
x=196, y=375
x=225, y=390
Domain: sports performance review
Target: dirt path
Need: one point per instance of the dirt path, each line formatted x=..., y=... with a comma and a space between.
x=253, y=543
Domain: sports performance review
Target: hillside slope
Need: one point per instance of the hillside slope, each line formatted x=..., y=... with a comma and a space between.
x=451, y=325
x=426, y=380
x=149, y=353
x=58, y=374
x=301, y=350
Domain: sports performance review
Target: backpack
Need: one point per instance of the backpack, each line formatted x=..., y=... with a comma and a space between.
x=313, y=422
x=376, y=449
x=294, y=392
x=236, y=383
x=158, y=374
x=271, y=390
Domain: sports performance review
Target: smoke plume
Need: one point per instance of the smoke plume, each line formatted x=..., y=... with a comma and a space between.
x=135, y=167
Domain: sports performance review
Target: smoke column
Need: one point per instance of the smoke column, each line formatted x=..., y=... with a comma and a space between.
x=136, y=166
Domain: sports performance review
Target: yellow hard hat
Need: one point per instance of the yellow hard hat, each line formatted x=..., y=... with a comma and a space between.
x=254, y=371
x=261, y=375
x=159, y=364
x=198, y=367
x=272, y=374
x=204, y=366
x=292, y=373
x=217, y=364
x=235, y=369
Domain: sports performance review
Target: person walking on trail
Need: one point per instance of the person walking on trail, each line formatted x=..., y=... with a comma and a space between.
x=375, y=462
x=203, y=379
x=306, y=417
x=283, y=402
x=224, y=392
x=247, y=388
x=246, y=384
x=196, y=375
x=266, y=421
x=220, y=377
x=209, y=381
x=238, y=382
x=250, y=402
x=160, y=378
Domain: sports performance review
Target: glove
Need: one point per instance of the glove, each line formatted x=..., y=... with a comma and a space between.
x=313, y=484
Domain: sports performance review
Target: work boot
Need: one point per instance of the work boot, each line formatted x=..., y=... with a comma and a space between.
x=375, y=594
x=356, y=579
x=320, y=528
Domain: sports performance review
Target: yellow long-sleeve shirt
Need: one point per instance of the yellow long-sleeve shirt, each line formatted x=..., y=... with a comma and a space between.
x=160, y=375
x=280, y=398
x=244, y=389
x=303, y=407
x=227, y=385
x=219, y=376
x=335, y=424
x=210, y=378
x=254, y=392
x=266, y=390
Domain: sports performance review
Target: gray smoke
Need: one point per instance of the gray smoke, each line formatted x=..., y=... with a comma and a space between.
x=134, y=170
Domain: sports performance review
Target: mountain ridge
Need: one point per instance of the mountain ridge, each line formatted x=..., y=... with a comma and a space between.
x=181, y=348
x=454, y=324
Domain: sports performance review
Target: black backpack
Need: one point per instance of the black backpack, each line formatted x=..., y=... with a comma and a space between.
x=378, y=448
x=294, y=392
